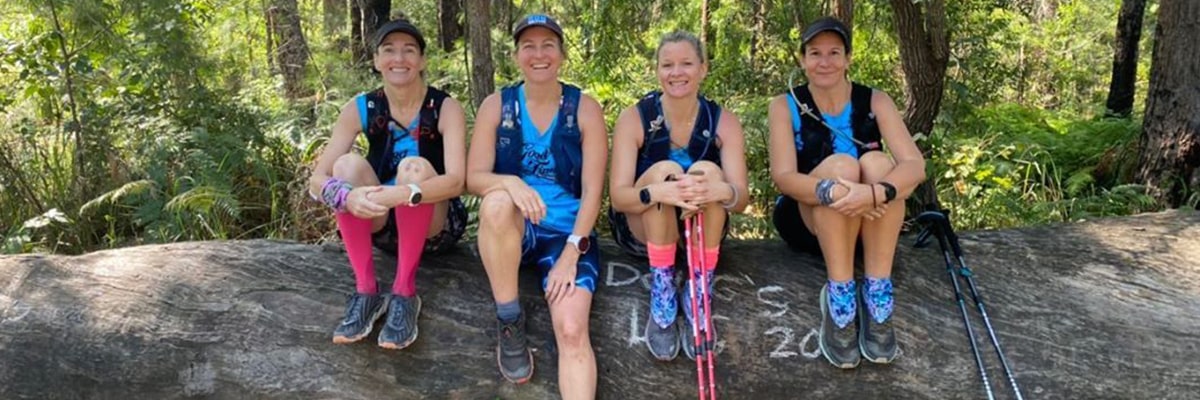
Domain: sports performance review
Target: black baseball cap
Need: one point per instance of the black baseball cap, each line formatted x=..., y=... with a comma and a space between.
x=533, y=20
x=826, y=24
x=399, y=25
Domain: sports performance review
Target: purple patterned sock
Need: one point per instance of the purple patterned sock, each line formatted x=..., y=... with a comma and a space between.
x=842, y=304
x=879, y=298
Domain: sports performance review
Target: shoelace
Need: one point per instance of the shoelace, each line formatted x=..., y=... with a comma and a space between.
x=355, y=308
x=397, y=317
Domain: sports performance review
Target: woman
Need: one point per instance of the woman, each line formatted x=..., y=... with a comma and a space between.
x=537, y=159
x=827, y=159
x=403, y=195
x=675, y=150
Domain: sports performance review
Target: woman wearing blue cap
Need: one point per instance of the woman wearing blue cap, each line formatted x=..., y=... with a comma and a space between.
x=537, y=159
x=403, y=196
x=830, y=145
x=675, y=152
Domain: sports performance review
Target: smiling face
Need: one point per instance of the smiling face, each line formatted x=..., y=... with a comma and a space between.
x=680, y=69
x=825, y=60
x=539, y=54
x=399, y=60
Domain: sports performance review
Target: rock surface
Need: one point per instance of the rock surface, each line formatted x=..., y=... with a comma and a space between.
x=1102, y=309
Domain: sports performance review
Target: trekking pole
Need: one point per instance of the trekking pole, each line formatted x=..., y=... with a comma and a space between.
x=691, y=285
x=709, y=341
x=937, y=221
x=965, y=272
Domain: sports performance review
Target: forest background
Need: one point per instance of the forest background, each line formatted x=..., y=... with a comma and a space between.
x=148, y=121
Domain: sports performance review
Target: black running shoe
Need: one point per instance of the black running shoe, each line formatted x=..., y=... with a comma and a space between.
x=361, y=313
x=876, y=341
x=400, y=326
x=839, y=345
x=512, y=351
x=663, y=342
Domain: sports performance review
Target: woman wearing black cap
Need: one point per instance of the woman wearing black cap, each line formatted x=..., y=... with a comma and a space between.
x=828, y=143
x=537, y=158
x=675, y=151
x=403, y=196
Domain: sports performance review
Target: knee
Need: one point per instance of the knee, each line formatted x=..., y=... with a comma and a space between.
x=572, y=334
x=842, y=166
x=414, y=169
x=496, y=209
x=350, y=165
x=661, y=170
x=874, y=166
x=708, y=169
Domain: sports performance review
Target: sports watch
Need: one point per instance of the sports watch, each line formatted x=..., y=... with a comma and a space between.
x=581, y=243
x=645, y=195
x=889, y=192
x=414, y=194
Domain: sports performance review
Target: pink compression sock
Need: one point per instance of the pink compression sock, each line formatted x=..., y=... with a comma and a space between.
x=412, y=224
x=356, y=234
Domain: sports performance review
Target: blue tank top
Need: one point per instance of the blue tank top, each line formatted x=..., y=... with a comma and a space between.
x=404, y=144
x=681, y=156
x=841, y=122
x=537, y=170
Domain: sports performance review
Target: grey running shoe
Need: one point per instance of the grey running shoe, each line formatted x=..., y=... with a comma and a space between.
x=662, y=342
x=361, y=313
x=876, y=341
x=512, y=351
x=686, y=339
x=400, y=326
x=839, y=345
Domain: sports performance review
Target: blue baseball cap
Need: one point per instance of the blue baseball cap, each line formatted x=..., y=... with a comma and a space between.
x=533, y=20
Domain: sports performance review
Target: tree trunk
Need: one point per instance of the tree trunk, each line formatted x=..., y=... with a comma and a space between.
x=707, y=33
x=334, y=17
x=358, y=52
x=450, y=28
x=291, y=53
x=1125, y=58
x=844, y=10
x=252, y=320
x=483, y=81
x=1170, y=144
x=924, y=50
x=372, y=15
x=760, y=29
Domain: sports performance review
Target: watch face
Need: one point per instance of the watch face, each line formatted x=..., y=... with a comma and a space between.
x=645, y=195
x=415, y=198
x=585, y=243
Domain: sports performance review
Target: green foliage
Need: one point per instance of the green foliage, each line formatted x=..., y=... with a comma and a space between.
x=142, y=121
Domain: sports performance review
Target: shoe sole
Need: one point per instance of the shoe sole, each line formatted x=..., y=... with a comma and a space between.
x=416, y=331
x=821, y=337
x=519, y=380
x=366, y=332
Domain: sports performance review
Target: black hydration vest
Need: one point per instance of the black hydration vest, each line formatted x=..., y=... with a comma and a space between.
x=656, y=138
x=817, y=139
x=378, y=125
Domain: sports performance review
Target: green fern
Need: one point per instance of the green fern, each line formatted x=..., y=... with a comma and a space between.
x=116, y=195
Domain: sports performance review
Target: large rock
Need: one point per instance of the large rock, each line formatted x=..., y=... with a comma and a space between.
x=1104, y=309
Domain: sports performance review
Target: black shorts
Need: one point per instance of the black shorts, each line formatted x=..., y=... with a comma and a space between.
x=627, y=242
x=790, y=226
x=456, y=224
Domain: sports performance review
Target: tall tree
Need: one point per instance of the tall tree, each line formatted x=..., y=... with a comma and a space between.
x=843, y=10
x=291, y=51
x=334, y=17
x=357, y=51
x=1170, y=143
x=1125, y=58
x=924, y=51
x=707, y=33
x=372, y=15
x=483, y=81
x=450, y=27
x=760, y=12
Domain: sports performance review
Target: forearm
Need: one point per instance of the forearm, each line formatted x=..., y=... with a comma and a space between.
x=801, y=187
x=441, y=187
x=627, y=199
x=482, y=183
x=589, y=210
x=906, y=176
